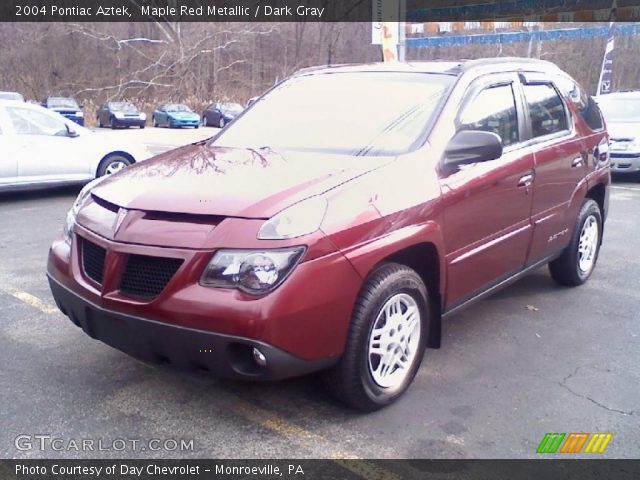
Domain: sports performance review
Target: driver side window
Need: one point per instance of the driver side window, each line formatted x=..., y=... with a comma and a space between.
x=31, y=122
x=493, y=110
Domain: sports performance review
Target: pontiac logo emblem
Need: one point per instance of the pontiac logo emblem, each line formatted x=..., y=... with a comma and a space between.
x=120, y=216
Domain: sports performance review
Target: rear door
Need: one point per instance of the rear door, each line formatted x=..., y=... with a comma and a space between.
x=560, y=164
x=487, y=205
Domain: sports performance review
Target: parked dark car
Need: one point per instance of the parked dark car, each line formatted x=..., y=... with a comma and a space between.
x=621, y=111
x=175, y=115
x=120, y=114
x=219, y=114
x=65, y=106
x=11, y=96
x=337, y=238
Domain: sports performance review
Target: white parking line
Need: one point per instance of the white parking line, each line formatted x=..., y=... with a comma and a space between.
x=625, y=188
x=258, y=415
x=30, y=300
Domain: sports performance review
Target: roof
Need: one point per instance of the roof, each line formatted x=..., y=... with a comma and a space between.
x=438, y=66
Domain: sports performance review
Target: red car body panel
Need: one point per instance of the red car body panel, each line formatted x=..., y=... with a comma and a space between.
x=481, y=225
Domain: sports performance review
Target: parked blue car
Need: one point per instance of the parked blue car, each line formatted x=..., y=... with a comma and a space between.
x=67, y=107
x=219, y=114
x=175, y=115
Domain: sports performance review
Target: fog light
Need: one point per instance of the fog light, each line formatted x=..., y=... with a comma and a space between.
x=259, y=357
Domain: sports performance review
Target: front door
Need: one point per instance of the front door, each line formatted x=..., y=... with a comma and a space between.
x=45, y=151
x=487, y=205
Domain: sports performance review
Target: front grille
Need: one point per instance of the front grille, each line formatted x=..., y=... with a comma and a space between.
x=146, y=276
x=93, y=260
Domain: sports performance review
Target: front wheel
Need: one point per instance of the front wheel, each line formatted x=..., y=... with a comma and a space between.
x=221, y=123
x=386, y=342
x=113, y=123
x=576, y=263
x=113, y=164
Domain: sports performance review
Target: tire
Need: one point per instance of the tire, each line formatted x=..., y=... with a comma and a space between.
x=142, y=126
x=359, y=380
x=205, y=122
x=112, y=164
x=576, y=263
x=221, y=123
x=99, y=121
x=113, y=123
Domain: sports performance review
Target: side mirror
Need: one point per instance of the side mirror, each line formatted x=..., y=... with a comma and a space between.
x=472, y=146
x=71, y=133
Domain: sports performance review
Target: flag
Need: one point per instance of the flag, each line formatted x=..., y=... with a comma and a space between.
x=605, y=83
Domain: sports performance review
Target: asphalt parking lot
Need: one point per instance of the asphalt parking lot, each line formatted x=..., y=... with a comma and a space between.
x=534, y=358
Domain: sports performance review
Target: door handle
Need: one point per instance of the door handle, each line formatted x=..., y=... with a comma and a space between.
x=526, y=180
x=577, y=162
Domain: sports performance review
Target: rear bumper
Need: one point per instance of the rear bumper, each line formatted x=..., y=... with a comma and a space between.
x=225, y=356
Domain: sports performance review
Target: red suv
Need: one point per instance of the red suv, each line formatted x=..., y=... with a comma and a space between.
x=335, y=222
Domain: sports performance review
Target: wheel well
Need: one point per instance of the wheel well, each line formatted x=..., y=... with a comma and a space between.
x=597, y=193
x=126, y=155
x=423, y=258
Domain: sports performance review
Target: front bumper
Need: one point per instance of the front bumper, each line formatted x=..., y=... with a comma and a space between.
x=225, y=356
x=175, y=122
x=129, y=122
x=625, y=162
x=76, y=119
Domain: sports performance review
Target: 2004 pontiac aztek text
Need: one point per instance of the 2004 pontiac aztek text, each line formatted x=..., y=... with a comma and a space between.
x=336, y=238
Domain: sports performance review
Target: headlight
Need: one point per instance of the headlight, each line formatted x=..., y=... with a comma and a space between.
x=300, y=219
x=143, y=116
x=80, y=114
x=73, y=212
x=252, y=271
x=119, y=115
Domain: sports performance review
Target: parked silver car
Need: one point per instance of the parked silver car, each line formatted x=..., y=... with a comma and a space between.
x=39, y=147
x=622, y=113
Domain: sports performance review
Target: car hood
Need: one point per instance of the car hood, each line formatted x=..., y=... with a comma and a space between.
x=623, y=130
x=235, y=182
x=184, y=115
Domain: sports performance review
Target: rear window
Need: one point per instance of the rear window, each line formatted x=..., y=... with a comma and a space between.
x=586, y=105
x=546, y=110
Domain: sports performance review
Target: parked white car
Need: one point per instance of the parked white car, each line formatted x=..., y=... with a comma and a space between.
x=41, y=148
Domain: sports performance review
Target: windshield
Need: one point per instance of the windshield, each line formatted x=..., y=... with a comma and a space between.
x=178, y=108
x=123, y=107
x=231, y=107
x=620, y=109
x=59, y=102
x=354, y=113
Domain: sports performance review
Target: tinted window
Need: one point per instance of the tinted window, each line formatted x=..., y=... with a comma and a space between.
x=493, y=110
x=585, y=104
x=32, y=122
x=546, y=110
